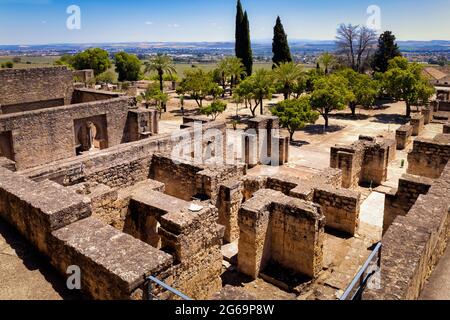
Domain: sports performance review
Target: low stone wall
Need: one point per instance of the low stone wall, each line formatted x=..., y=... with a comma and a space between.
x=414, y=243
x=228, y=203
x=24, y=88
x=83, y=95
x=399, y=201
x=194, y=239
x=446, y=129
x=429, y=156
x=284, y=230
x=363, y=162
x=418, y=124
x=56, y=221
x=403, y=136
x=42, y=136
x=340, y=208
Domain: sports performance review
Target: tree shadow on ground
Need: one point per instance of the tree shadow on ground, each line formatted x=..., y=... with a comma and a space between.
x=349, y=116
x=320, y=129
x=390, y=119
x=35, y=261
x=299, y=143
x=187, y=112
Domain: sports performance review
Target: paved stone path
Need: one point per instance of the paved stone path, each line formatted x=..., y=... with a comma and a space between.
x=24, y=273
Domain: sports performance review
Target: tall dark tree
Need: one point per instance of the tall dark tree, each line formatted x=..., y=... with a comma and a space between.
x=247, y=59
x=280, y=45
x=243, y=43
x=239, y=28
x=387, y=50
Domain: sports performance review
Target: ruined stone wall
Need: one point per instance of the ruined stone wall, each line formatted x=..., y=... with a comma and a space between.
x=287, y=231
x=414, y=243
x=194, y=239
x=349, y=160
x=403, y=136
x=229, y=202
x=446, y=129
x=429, y=156
x=35, y=86
x=340, y=208
x=418, y=124
x=90, y=95
x=399, y=201
x=56, y=221
x=43, y=136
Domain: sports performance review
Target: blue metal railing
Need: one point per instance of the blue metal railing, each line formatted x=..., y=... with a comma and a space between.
x=149, y=289
x=359, y=283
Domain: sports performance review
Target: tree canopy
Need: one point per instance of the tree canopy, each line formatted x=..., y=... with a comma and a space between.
x=386, y=51
x=295, y=114
x=405, y=81
x=330, y=93
x=280, y=45
x=128, y=66
x=214, y=109
x=161, y=64
x=199, y=84
x=243, y=46
x=95, y=58
x=289, y=77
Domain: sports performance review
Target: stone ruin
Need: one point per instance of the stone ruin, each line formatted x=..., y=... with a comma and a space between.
x=90, y=182
x=365, y=161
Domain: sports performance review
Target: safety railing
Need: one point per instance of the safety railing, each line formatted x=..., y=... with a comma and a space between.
x=152, y=281
x=356, y=288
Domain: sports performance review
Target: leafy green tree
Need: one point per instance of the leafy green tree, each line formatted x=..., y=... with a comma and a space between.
x=214, y=109
x=65, y=60
x=7, y=65
x=330, y=93
x=243, y=46
x=199, y=84
x=386, y=51
x=229, y=72
x=363, y=87
x=327, y=61
x=405, y=81
x=280, y=45
x=106, y=77
x=153, y=96
x=295, y=114
x=161, y=64
x=287, y=76
x=95, y=58
x=256, y=88
x=128, y=66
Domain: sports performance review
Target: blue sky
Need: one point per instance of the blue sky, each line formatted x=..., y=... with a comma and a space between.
x=44, y=21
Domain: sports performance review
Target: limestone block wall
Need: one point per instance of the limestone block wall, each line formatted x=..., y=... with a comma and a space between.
x=229, y=202
x=56, y=221
x=429, y=156
x=365, y=161
x=446, y=129
x=340, y=208
x=288, y=231
x=194, y=239
x=35, y=86
x=403, y=136
x=43, y=136
x=399, y=201
x=83, y=95
x=418, y=124
x=414, y=243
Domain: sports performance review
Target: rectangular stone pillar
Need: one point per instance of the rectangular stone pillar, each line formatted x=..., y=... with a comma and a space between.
x=403, y=136
x=418, y=124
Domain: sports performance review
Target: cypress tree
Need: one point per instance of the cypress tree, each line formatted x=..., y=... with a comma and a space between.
x=247, y=54
x=387, y=50
x=280, y=45
x=239, y=26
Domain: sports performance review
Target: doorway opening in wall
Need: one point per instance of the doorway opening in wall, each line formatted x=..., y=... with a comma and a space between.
x=90, y=134
x=6, y=145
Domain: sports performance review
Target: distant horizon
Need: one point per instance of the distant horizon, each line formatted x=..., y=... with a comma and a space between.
x=312, y=41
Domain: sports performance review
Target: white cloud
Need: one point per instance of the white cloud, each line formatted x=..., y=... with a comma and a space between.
x=149, y=23
x=174, y=25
